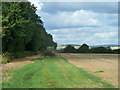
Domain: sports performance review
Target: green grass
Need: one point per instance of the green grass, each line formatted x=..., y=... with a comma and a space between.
x=52, y=72
x=98, y=71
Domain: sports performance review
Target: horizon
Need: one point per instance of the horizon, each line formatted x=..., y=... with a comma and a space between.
x=91, y=45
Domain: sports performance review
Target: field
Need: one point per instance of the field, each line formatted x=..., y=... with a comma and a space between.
x=52, y=72
x=102, y=65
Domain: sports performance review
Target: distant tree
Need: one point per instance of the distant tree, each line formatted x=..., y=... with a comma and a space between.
x=69, y=49
x=100, y=50
x=83, y=49
x=116, y=51
x=109, y=50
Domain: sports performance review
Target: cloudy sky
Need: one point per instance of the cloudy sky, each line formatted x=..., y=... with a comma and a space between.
x=93, y=23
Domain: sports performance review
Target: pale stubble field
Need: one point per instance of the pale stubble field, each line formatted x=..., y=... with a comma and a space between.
x=102, y=65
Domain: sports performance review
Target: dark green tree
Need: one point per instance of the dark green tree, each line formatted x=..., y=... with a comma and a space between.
x=69, y=49
x=100, y=50
x=23, y=29
x=83, y=49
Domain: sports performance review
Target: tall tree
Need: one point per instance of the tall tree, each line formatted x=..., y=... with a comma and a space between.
x=22, y=28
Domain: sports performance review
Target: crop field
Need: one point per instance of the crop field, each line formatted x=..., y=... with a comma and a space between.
x=101, y=65
x=52, y=72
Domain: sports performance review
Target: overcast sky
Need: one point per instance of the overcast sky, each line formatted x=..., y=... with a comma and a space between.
x=93, y=23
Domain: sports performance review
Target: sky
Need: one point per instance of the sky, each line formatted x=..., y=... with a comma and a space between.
x=93, y=23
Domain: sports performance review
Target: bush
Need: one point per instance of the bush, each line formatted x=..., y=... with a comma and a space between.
x=25, y=53
x=60, y=51
x=18, y=54
x=6, y=57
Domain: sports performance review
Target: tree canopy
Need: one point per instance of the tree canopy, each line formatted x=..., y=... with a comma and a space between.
x=84, y=48
x=22, y=28
x=69, y=49
x=101, y=50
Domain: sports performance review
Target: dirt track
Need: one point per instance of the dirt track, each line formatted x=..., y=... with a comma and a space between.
x=97, y=62
x=18, y=63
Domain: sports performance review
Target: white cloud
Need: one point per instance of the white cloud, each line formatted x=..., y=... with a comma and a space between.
x=106, y=34
x=89, y=35
x=76, y=19
x=37, y=4
x=82, y=17
x=70, y=19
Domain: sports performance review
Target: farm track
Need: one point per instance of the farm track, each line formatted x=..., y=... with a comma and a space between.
x=18, y=63
x=96, y=62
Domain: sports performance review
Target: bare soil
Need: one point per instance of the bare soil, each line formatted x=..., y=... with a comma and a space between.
x=18, y=63
x=108, y=63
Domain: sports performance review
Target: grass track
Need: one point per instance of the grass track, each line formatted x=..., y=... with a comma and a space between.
x=52, y=72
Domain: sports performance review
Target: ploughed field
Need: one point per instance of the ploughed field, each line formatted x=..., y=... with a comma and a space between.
x=102, y=65
x=52, y=72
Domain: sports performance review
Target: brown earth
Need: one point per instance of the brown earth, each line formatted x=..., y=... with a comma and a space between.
x=18, y=63
x=108, y=63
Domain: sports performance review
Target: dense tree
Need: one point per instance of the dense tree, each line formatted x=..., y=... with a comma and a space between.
x=22, y=28
x=100, y=50
x=84, y=49
x=69, y=49
x=116, y=51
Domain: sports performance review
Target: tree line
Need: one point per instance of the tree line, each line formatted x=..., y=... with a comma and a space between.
x=23, y=29
x=85, y=49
